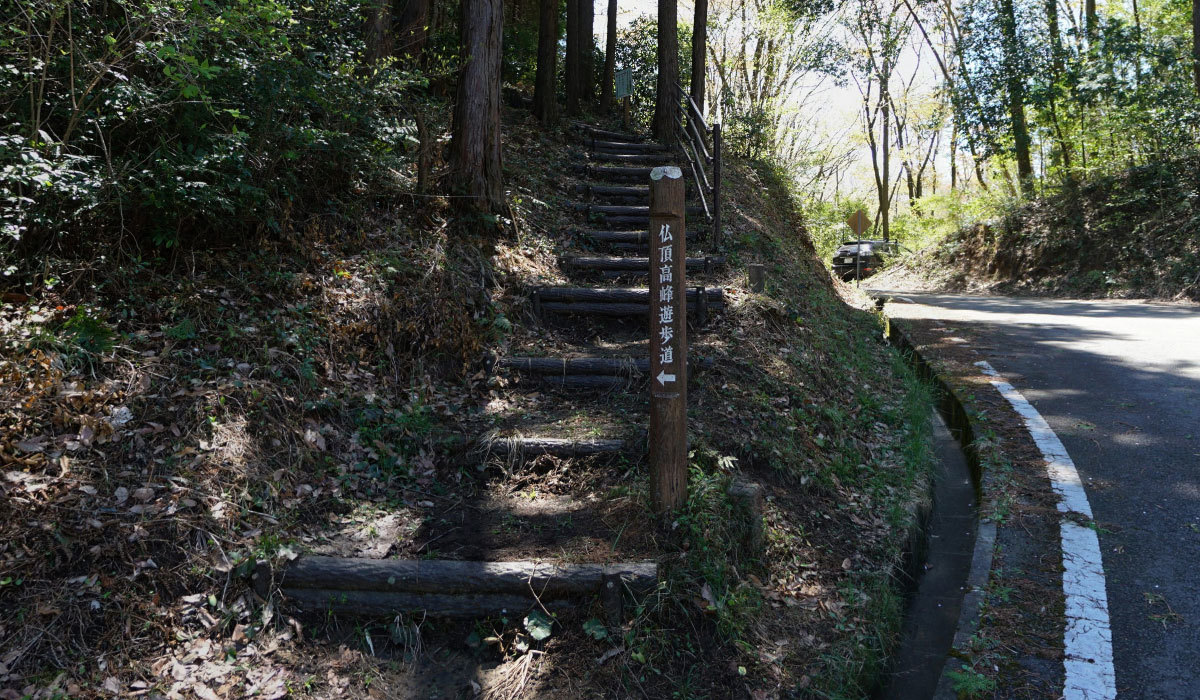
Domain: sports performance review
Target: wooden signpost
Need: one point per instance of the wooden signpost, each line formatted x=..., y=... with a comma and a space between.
x=858, y=223
x=623, y=88
x=668, y=340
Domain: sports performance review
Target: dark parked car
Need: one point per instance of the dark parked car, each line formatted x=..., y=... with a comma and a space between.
x=862, y=257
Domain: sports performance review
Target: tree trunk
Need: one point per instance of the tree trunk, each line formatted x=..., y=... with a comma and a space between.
x=1089, y=20
x=1016, y=95
x=574, y=58
x=413, y=34
x=587, y=40
x=885, y=200
x=953, y=154
x=1196, y=43
x=700, y=50
x=608, y=100
x=475, y=149
x=377, y=29
x=666, y=105
x=1062, y=153
x=1056, y=45
x=545, y=98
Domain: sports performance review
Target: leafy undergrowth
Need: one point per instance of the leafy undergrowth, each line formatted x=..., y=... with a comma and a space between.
x=168, y=422
x=1135, y=234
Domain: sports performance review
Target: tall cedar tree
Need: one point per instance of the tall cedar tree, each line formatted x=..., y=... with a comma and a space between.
x=1016, y=94
x=699, y=47
x=607, y=97
x=475, y=147
x=666, y=104
x=413, y=32
x=574, y=58
x=545, y=103
x=587, y=41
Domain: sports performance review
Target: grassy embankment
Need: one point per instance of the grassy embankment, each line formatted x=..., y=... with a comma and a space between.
x=172, y=416
x=1132, y=234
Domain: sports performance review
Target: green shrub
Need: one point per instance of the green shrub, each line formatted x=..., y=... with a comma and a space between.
x=88, y=333
x=178, y=119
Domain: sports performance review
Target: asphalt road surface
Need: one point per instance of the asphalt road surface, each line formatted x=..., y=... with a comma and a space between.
x=1119, y=382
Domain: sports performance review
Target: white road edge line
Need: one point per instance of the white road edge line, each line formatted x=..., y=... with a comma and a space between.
x=1087, y=640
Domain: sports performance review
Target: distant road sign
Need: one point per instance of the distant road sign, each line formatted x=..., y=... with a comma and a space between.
x=858, y=223
x=624, y=82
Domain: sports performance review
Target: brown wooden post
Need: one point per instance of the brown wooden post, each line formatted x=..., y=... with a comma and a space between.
x=668, y=340
x=758, y=277
x=716, y=186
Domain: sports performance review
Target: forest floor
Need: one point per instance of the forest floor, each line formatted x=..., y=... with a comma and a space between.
x=169, y=419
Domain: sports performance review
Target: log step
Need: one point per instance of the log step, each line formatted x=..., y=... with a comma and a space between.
x=596, y=132
x=619, y=302
x=621, y=367
x=631, y=158
x=614, y=310
x=617, y=195
x=555, y=447
x=449, y=589
x=617, y=295
x=633, y=238
x=614, y=172
x=626, y=147
x=633, y=264
x=633, y=221
x=641, y=192
x=625, y=209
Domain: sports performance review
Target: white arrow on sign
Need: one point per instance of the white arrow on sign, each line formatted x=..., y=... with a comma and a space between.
x=663, y=377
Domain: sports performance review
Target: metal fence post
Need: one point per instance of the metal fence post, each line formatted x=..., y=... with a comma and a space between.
x=716, y=219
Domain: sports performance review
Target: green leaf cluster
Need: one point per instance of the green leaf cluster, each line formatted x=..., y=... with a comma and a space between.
x=174, y=120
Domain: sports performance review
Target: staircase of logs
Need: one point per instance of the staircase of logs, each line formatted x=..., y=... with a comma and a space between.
x=608, y=286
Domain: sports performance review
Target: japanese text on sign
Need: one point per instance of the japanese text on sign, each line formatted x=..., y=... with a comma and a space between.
x=665, y=308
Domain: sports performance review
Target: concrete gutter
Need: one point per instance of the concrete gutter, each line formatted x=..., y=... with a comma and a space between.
x=927, y=646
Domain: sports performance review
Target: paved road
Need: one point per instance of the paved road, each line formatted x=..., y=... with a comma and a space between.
x=1120, y=384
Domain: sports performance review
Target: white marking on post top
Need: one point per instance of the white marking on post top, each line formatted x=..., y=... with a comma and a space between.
x=671, y=172
x=1087, y=640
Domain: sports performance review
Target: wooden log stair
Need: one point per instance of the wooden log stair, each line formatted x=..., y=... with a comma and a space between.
x=613, y=191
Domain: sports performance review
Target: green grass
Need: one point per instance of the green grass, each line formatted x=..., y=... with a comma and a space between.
x=854, y=666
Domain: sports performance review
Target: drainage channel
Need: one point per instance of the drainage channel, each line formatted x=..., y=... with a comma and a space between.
x=950, y=558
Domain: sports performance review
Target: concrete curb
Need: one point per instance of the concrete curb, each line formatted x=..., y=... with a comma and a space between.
x=956, y=416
